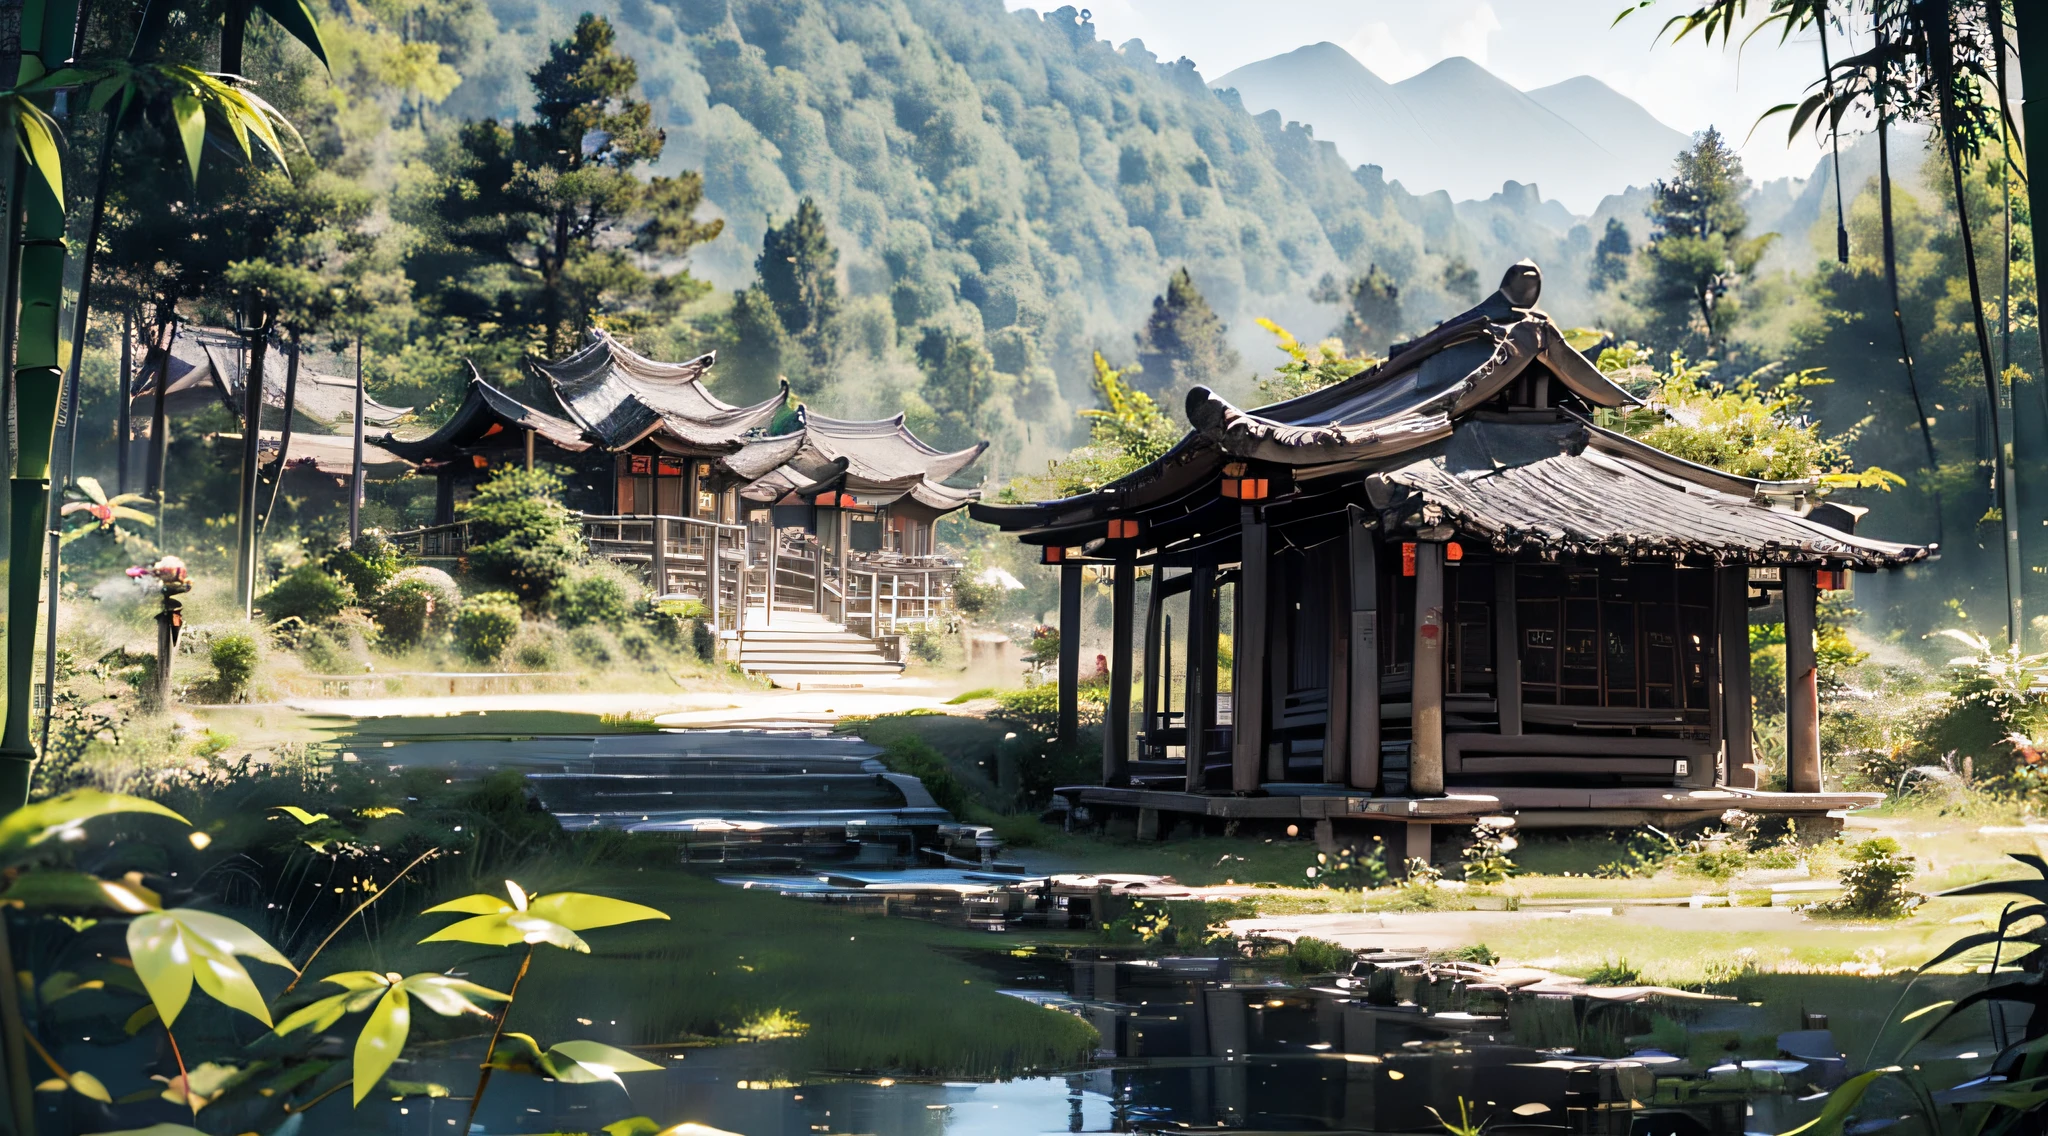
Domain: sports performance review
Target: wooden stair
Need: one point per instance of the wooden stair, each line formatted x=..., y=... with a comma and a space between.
x=801, y=650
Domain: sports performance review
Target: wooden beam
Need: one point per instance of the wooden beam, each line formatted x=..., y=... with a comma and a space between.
x=1364, y=675
x=1507, y=647
x=1116, y=727
x=1426, y=749
x=1802, y=690
x=1732, y=613
x=1201, y=664
x=1248, y=693
x=1070, y=654
x=1336, y=584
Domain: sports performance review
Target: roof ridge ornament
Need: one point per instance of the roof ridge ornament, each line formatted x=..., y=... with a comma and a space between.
x=1522, y=285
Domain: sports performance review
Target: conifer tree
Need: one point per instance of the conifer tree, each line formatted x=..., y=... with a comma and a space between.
x=1183, y=344
x=1372, y=316
x=959, y=377
x=1611, y=256
x=1698, y=259
x=799, y=269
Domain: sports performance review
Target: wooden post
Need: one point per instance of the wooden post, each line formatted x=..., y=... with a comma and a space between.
x=818, y=538
x=1154, y=642
x=1507, y=648
x=1070, y=654
x=711, y=581
x=1802, y=689
x=1336, y=582
x=746, y=564
x=1201, y=664
x=657, y=561
x=1248, y=693
x=1732, y=609
x=839, y=563
x=125, y=429
x=444, y=497
x=1365, y=651
x=529, y=451
x=1426, y=721
x=774, y=569
x=1116, y=726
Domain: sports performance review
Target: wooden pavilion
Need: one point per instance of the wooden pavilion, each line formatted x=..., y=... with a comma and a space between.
x=1448, y=592
x=760, y=507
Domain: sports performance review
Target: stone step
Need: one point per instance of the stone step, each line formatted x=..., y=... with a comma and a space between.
x=822, y=666
x=854, y=646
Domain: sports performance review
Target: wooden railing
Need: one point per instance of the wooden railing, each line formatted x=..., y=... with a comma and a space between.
x=732, y=569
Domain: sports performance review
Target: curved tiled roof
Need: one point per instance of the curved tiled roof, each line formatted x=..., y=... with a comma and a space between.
x=620, y=397
x=484, y=407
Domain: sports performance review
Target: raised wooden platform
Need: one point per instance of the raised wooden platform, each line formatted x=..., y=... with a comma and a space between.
x=1532, y=807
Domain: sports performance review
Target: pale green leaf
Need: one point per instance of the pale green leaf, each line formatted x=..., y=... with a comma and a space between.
x=76, y=889
x=173, y=949
x=381, y=1041
x=89, y=1087
x=64, y=984
x=191, y=120
x=233, y=937
x=104, y=91
x=296, y=17
x=535, y=930
x=358, y=980
x=594, y=1053
x=579, y=911
x=478, y=904
x=225, y=979
x=631, y=1126
x=1841, y=1103
x=319, y=1015
x=36, y=133
x=157, y=1130
x=33, y=824
x=141, y=1019
x=300, y=815
x=449, y=996
x=483, y=930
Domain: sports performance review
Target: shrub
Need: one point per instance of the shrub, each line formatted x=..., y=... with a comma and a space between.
x=366, y=565
x=927, y=640
x=971, y=597
x=592, y=645
x=1310, y=955
x=310, y=593
x=1874, y=883
x=704, y=640
x=1353, y=868
x=408, y=609
x=910, y=754
x=1615, y=972
x=233, y=656
x=1486, y=858
x=485, y=625
x=1037, y=708
x=522, y=539
x=534, y=650
x=592, y=594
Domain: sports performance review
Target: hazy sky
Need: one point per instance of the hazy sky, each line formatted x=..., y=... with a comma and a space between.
x=1530, y=43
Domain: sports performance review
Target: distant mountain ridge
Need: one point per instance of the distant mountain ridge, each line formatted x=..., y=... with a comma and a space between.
x=1459, y=128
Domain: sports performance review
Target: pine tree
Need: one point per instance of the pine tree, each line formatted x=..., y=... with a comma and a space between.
x=1611, y=256
x=1697, y=259
x=758, y=351
x=1373, y=317
x=799, y=270
x=1461, y=280
x=959, y=377
x=537, y=195
x=1183, y=344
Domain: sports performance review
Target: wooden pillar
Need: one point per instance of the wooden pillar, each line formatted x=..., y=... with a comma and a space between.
x=1364, y=676
x=1148, y=718
x=1426, y=720
x=774, y=569
x=1802, y=689
x=1070, y=654
x=1732, y=612
x=657, y=567
x=1248, y=696
x=529, y=451
x=711, y=581
x=1116, y=725
x=1278, y=642
x=1336, y=583
x=1507, y=647
x=444, y=497
x=1201, y=663
x=818, y=539
x=839, y=560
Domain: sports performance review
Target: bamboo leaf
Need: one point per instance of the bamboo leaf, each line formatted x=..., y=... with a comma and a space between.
x=483, y=930
x=596, y=1061
x=381, y=1041
x=301, y=815
x=89, y=1087
x=296, y=18
x=449, y=996
x=481, y=903
x=320, y=1015
x=61, y=817
x=1841, y=1103
x=158, y=1130
x=631, y=1126
x=191, y=120
x=36, y=133
x=580, y=911
x=104, y=91
x=173, y=949
x=76, y=889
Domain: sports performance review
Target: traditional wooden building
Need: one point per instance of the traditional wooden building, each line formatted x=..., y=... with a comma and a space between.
x=751, y=508
x=1446, y=590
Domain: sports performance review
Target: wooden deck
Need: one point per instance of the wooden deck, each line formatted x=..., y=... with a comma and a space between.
x=1531, y=807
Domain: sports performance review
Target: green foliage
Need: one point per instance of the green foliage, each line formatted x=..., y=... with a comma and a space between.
x=522, y=538
x=516, y=917
x=389, y=1002
x=959, y=380
x=408, y=610
x=907, y=753
x=592, y=595
x=1874, y=883
x=485, y=625
x=1615, y=972
x=1746, y=429
x=798, y=271
x=1037, y=708
x=1372, y=309
x=309, y=594
x=1611, y=256
x=1353, y=868
x=1310, y=955
x=1183, y=344
x=233, y=656
x=1176, y=924
x=971, y=598
x=1309, y=369
x=1646, y=850
x=515, y=214
x=1487, y=859
x=1126, y=429
x=366, y=566
x=1698, y=258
